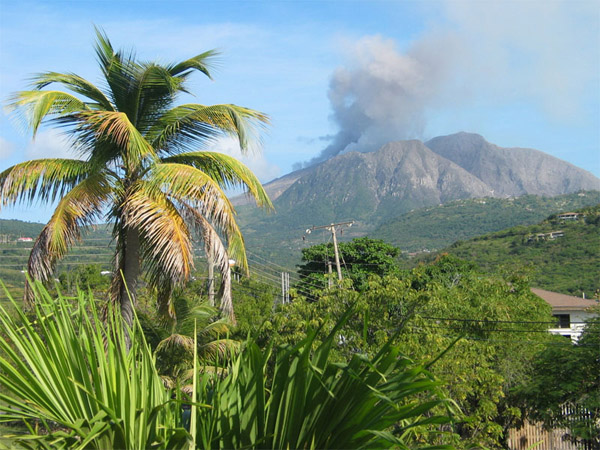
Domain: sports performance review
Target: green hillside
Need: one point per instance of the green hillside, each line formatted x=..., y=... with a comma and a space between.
x=278, y=236
x=566, y=261
x=440, y=226
x=96, y=247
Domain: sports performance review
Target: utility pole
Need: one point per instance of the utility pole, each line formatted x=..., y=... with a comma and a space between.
x=285, y=287
x=331, y=228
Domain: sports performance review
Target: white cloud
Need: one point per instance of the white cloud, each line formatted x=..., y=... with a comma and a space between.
x=255, y=160
x=49, y=144
x=6, y=148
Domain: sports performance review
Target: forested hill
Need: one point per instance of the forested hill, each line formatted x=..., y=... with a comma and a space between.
x=437, y=227
x=563, y=255
x=11, y=230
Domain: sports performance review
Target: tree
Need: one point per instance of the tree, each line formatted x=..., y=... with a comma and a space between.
x=144, y=168
x=567, y=376
x=361, y=257
x=494, y=324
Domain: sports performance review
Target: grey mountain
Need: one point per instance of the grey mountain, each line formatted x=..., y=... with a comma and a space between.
x=376, y=187
x=370, y=187
x=512, y=171
x=402, y=176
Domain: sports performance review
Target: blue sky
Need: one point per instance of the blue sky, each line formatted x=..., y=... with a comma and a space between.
x=521, y=73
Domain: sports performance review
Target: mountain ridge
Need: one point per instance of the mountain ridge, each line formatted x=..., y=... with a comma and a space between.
x=505, y=171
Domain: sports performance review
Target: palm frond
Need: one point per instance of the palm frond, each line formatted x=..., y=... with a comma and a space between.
x=227, y=171
x=77, y=208
x=165, y=238
x=104, y=50
x=201, y=63
x=214, y=247
x=115, y=127
x=192, y=125
x=46, y=179
x=76, y=84
x=193, y=186
x=35, y=106
x=154, y=90
x=221, y=348
x=176, y=342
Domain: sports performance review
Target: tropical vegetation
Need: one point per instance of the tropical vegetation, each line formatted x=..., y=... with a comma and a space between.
x=145, y=166
x=493, y=325
x=566, y=263
x=71, y=379
x=566, y=379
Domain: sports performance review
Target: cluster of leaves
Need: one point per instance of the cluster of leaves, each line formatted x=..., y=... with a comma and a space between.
x=196, y=330
x=567, y=377
x=360, y=258
x=494, y=318
x=71, y=378
x=86, y=277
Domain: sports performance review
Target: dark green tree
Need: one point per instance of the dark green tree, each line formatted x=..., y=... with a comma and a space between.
x=360, y=258
x=567, y=376
x=500, y=326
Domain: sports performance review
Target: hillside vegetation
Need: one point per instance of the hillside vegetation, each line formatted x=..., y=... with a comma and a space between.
x=567, y=262
x=440, y=226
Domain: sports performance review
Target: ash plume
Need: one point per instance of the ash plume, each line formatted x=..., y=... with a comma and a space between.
x=383, y=94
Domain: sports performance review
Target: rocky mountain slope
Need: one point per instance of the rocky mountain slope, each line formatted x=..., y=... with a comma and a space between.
x=512, y=171
x=406, y=175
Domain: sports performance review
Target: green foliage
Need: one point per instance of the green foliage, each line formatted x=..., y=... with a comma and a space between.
x=500, y=325
x=253, y=303
x=313, y=403
x=567, y=264
x=440, y=226
x=69, y=376
x=567, y=376
x=195, y=323
x=359, y=258
x=85, y=277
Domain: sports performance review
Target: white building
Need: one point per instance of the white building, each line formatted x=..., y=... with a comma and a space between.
x=570, y=312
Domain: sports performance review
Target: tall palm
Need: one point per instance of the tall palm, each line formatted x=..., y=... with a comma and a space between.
x=144, y=166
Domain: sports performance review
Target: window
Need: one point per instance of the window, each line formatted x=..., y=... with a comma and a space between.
x=564, y=320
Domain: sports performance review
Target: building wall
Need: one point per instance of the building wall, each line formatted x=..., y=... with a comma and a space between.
x=577, y=317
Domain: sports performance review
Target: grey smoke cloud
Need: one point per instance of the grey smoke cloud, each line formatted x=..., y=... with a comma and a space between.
x=541, y=54
x=383, y=94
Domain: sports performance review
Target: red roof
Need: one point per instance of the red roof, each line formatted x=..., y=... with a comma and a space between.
x=562, y=301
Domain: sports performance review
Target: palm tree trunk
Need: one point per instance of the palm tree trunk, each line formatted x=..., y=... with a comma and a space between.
x=125, y=281
x=131, y=273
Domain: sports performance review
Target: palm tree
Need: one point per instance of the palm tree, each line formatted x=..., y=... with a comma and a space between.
x=144, y=166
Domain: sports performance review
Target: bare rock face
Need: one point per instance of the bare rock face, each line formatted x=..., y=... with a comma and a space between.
x=371, y=186
x=406, y=175
x=513, y=171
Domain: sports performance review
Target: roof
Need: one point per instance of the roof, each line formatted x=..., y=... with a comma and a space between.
x=562, y=301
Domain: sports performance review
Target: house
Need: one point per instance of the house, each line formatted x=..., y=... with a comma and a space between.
x=571, y=312
x=568, y=216
x=25, y=239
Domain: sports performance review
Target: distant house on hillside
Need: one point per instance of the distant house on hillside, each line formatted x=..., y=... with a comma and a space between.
x=25, y=239
x=571, y=312
x=568, y=216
